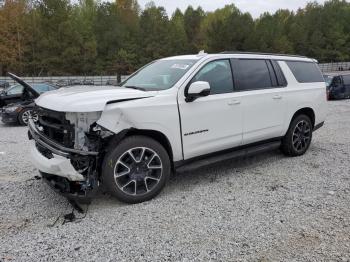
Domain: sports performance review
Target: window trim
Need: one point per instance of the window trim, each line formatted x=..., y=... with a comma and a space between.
x=281, y=78
x=234, y=63
x=211, y=61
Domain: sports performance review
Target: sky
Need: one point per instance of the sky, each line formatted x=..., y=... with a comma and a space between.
x=255, y=7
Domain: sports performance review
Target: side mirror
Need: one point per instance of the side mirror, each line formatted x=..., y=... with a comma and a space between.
x=196, y=90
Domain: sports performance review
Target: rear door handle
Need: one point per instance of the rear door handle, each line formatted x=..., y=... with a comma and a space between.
x=277, y=97
x=234, y=102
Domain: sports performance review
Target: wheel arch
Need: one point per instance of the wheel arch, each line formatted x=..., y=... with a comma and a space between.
x=308, y=111
x=156, y=135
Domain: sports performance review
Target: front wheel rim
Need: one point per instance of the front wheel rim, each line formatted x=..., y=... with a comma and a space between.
x=138, y=171
x=29, y=114
x=301, y=136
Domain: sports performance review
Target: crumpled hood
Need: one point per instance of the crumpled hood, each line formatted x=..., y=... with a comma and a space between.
x=87, y=98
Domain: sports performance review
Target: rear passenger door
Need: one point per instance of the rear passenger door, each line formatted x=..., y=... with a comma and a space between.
x=261, y=84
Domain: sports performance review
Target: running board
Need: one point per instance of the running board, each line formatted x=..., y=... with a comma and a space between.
x=210, y=159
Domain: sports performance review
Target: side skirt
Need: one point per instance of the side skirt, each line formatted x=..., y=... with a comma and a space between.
x=246, y=150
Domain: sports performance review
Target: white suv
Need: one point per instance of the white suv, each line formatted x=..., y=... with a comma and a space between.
x=175, y=113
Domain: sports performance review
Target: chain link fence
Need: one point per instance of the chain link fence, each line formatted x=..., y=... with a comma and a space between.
x=335, y=67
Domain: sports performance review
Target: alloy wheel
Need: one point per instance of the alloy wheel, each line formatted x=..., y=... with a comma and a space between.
x=29, y=113
x=301, y=136
x=138, y=171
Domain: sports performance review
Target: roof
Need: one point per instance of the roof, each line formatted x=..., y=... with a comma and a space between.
x=249, y=55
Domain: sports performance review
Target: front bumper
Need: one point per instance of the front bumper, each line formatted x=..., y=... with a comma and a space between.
x=54, y=162
x=7, y=117
x=56, y=165
x=57, y=158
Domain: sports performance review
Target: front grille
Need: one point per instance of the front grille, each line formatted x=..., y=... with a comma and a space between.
x=56, y=127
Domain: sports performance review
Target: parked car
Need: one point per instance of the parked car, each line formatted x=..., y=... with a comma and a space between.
x=19, y=104
x=88, y=82
x=14, y=94
x=338, y=85
x=62, y=83
x=4, y=84
x=174, y=114
x=111, y=82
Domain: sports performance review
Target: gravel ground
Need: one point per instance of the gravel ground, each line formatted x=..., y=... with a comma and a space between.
x=263, y=208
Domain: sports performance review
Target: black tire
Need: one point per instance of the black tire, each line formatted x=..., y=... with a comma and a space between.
x=293, y=138
x=145, y=181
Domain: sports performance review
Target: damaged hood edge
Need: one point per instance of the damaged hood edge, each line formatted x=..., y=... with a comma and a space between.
x=88, y=99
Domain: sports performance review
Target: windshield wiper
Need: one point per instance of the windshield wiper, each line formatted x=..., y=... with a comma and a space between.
x=136, y=87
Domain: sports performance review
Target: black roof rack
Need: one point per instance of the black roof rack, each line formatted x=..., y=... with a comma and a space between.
x=258, y=53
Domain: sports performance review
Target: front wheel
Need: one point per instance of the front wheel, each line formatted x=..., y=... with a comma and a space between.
x=136, y=170
x=24, y=116
x=298, y=138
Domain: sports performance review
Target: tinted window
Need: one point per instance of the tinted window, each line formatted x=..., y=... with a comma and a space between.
x=305, y=72
x=252, y=74
x=346, y=80
x=218, y=74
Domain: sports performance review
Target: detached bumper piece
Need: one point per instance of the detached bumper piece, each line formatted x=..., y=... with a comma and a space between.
x=69, y=172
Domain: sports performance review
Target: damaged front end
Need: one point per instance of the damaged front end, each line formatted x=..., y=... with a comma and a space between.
x=68, y=151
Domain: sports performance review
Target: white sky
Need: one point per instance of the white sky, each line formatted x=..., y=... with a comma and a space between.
x=255, y=7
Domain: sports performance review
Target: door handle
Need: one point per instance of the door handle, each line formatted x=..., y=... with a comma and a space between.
x=234, y=102
x=277, y=97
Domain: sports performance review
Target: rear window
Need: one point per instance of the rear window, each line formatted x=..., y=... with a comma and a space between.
x=346, y=80
x=305, y=72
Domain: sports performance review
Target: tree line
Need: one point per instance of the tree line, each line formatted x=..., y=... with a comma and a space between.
x=58, y=37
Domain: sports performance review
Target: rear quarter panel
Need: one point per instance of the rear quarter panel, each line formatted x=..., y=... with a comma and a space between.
x=303, y=95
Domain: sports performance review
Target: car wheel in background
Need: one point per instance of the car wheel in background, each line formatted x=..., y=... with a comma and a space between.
x=25, y=114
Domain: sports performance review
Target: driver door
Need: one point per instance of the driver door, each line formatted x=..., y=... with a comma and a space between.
x=212, y=123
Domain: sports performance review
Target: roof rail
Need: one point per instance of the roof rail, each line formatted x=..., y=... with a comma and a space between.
x=258, y=53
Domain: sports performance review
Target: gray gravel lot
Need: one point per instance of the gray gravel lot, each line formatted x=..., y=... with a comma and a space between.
x=264, y=208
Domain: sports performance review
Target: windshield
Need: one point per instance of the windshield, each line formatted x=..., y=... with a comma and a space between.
x=328, y=80
x=18, y=89
x=41, y=88
x=159, y=75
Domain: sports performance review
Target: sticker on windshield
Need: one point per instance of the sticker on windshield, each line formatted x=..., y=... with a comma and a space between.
x=180, y=66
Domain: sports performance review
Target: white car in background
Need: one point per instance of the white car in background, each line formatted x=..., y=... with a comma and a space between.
x=175, y=113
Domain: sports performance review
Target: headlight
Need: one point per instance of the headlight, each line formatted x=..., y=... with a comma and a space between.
x=12, y=109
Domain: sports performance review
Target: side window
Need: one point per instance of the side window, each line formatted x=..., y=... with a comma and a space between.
x=346, y=79
x=218, y=74
x=252, y=74
x=305, y=72
x=336, y=81
x=16, y=90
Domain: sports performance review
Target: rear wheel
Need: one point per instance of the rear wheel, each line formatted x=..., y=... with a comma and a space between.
x=298, y=138
x=24, y=116
x=136, y=170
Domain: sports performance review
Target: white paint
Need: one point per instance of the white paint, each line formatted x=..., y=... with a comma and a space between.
x=58, y=165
